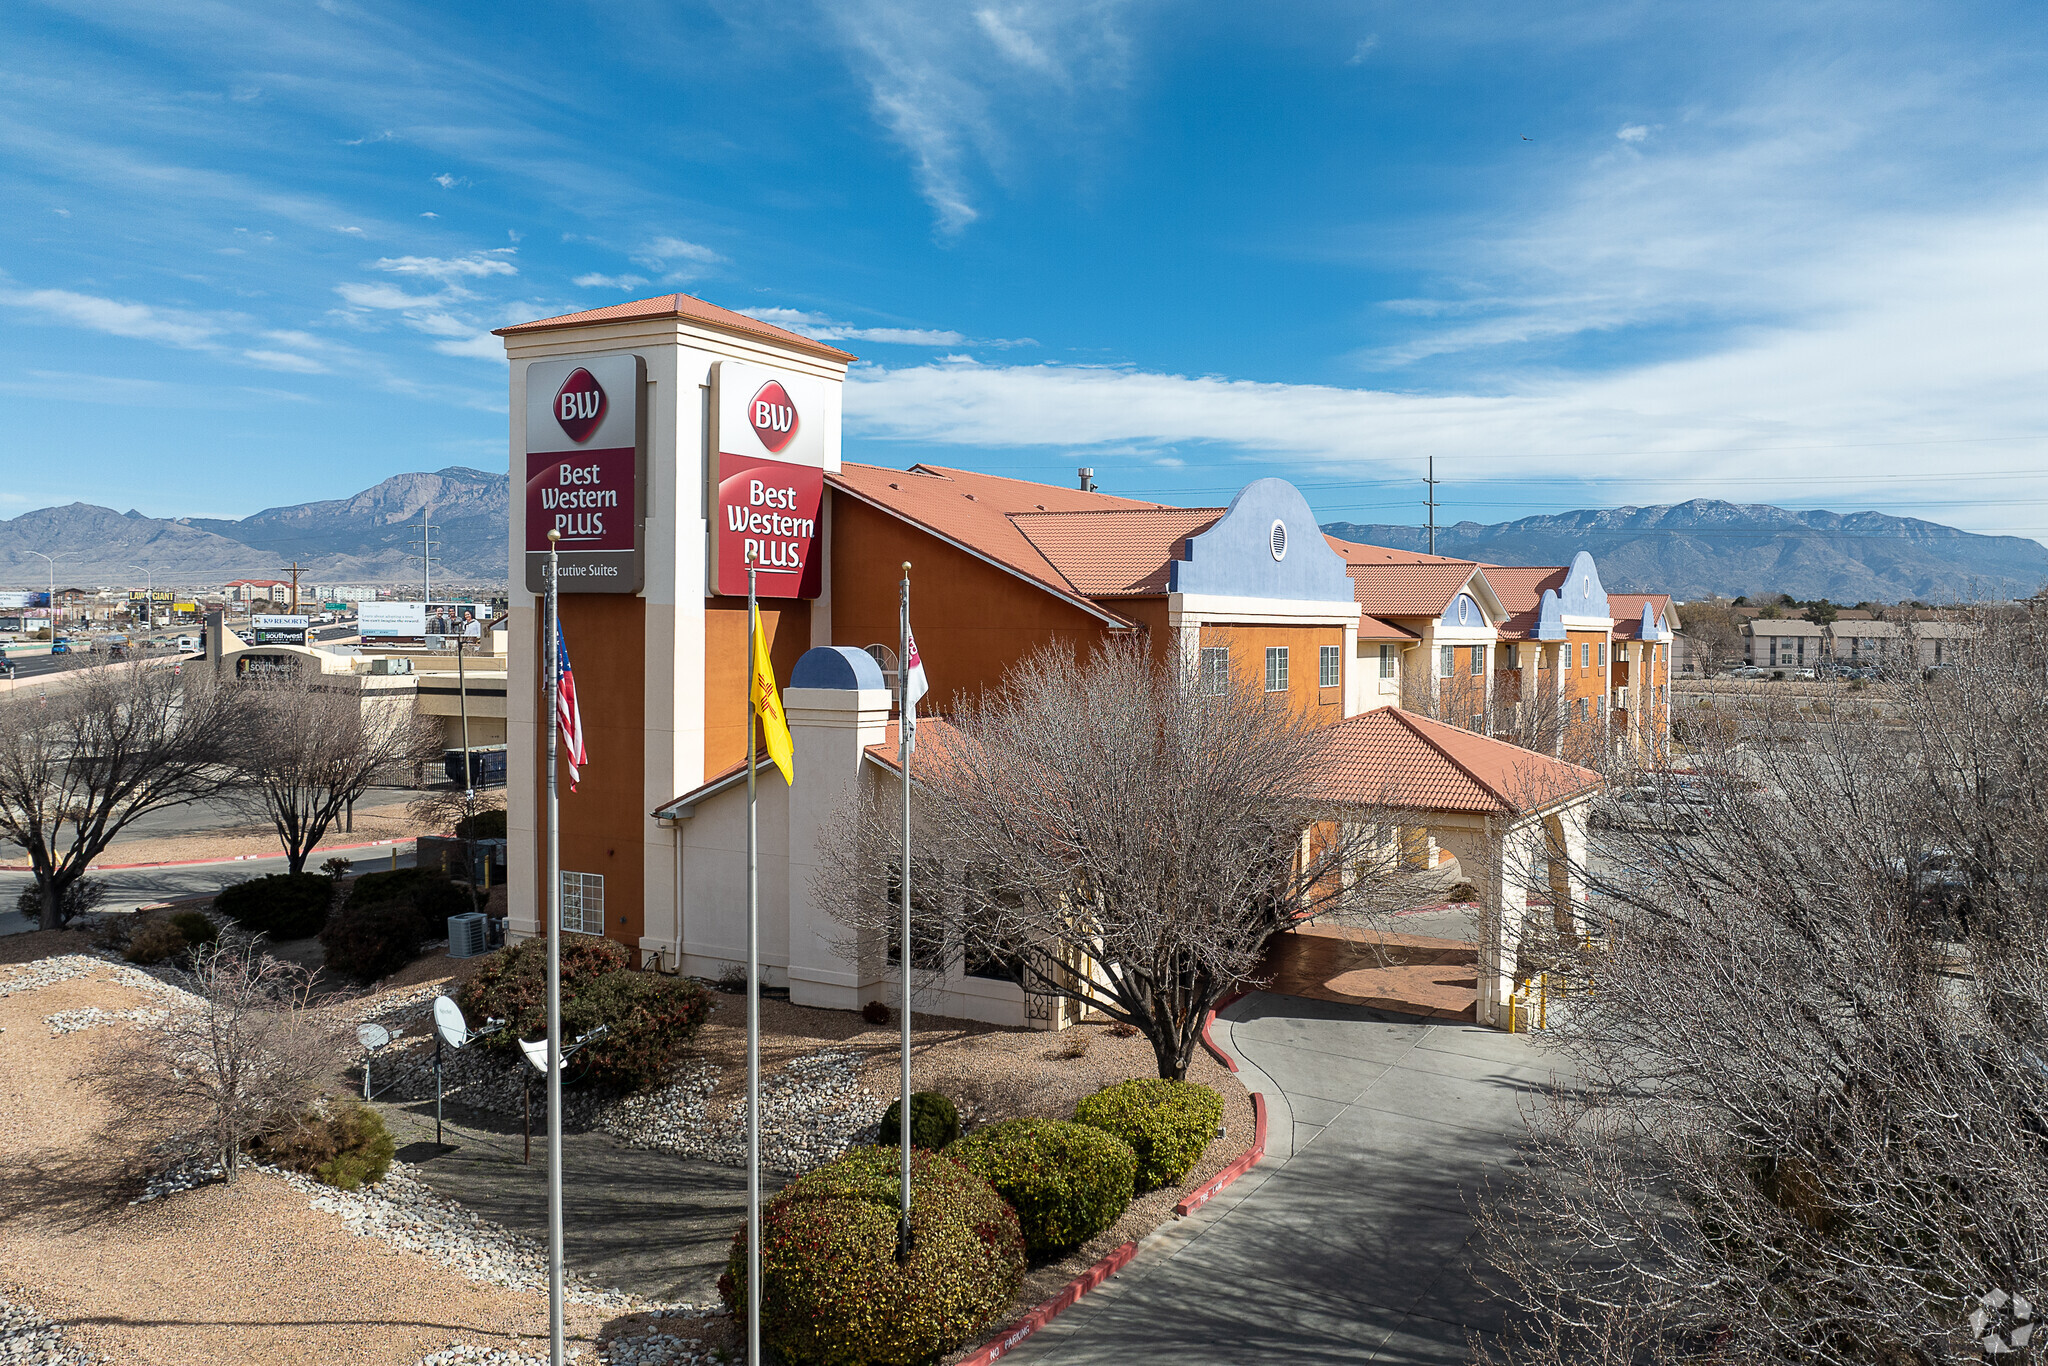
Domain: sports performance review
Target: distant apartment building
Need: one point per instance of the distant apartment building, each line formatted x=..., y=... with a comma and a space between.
x=1775, y=643
x=257, y=590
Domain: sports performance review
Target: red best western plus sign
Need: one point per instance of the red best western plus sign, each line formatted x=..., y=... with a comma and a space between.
x=585, y=495
x=767, y=511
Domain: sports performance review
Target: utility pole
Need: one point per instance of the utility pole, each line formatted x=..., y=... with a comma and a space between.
x=427, y=530
x=148, y=597
x=295, y=587
x=53, y=592
x=1431, y=480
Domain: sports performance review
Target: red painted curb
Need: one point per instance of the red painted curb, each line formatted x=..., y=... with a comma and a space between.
x=1245, y=1162
x=1210, y=1019
x=208, y=862
x=1013, y=1337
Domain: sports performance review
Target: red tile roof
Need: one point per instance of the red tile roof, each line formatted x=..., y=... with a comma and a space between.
x=1520, y=590
x=1372, y=628
x=1356, y=553
x=1395, y=758
x=679, y=306
x=975, y=510
x=1121, y=552
x=1628, y=611
x=1413, y=589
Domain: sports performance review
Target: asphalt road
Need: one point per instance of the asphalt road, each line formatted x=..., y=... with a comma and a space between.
x=1352, y=1241
x=133, y=887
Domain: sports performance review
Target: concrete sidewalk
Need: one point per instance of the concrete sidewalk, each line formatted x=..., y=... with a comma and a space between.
x=1350, y=1242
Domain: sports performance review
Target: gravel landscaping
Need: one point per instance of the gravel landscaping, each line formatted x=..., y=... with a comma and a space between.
x=26, y=1336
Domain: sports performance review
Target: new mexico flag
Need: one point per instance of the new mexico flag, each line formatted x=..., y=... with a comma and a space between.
x=768, y=705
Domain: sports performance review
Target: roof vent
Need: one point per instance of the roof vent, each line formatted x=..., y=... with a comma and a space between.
x=1279, y=540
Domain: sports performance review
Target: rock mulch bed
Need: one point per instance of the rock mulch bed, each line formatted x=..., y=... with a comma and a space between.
x=26, y=1336
x=71, y=1021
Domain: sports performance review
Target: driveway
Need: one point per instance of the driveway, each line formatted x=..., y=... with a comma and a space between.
x=129, y=888
x=1349, y=1243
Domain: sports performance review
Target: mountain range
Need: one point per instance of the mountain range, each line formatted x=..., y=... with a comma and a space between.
x=1707, y=546
x=373, y=537
x=1687, y=549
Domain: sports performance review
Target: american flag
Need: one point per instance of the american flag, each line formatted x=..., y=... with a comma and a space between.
x=566, y=710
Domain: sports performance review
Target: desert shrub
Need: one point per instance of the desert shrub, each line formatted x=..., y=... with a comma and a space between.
x=875, y=1012
x=196, y=926
x=347, y=1147
x=732, y=980
x=934, y=1122
x=432, y=896
x=651, y=1017
x=156, y=941
x=651, y=1020
x=831, y=1291
x=283, y=905
x=371, y=942
x=1463, y=893
x=81, y=896
x=1073, y=1044
x=484, y=825
x=1123, y=1029
x=1168, y=1124
x=1067, y=1182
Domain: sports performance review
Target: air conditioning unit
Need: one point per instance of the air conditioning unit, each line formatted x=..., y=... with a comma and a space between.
x=468, y=935
x=390, y=666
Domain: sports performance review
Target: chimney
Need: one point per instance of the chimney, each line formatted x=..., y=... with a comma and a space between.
x=1087, y=474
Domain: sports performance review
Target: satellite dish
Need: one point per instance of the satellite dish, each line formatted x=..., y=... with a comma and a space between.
x=536, y=1053
x=449, y=1024
x=372, y=1036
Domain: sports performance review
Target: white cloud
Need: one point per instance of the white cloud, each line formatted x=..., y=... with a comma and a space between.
x=430, y=215
x=958, y=87
x=682, y=260
x=357, y=232
x=818, y=327
x=286, y=361
x=382, y=296
x=139, y=321
x=1632, y=132
x=482, y=346
x=440, y=325
x=447, y=181
x=475, y=266
x=1366, y=47
x=596, y=281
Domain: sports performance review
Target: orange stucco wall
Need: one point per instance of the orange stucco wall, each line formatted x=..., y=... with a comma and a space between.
x=1248, y=645
x=787, y=623
x=603, y=819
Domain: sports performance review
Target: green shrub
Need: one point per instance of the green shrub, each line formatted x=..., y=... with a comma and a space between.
x=831, y=1291
x=1067, y=1182
x=934, y=1122
x=80, y=896
x=1167, y=1123
x=283, y=905
x=651, y=1017
x=484, y=825
x=154, y=942
x=372, y=942
x=347, y=1147
x=197, y=927
x=428, y=891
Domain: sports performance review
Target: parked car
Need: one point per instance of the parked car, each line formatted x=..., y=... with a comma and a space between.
x=1938, y=884
x=6, y=667
x=1660, y=806
x=1749, y=671
x=60, y=646
x=188, y=642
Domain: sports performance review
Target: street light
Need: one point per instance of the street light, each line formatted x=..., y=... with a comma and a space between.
x=53, y=592
x=148, y=596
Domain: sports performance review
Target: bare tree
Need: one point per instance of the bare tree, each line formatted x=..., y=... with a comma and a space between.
x=250, y=1055
x=107, y=744
x=314, y=746
x=1811, y=1037
x=1109, y=830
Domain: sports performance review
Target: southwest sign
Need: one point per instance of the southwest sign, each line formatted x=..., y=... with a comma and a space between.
x=586, y=472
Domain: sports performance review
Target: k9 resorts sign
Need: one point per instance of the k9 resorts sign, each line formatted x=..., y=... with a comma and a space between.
x=586, y=471
x=767, y=481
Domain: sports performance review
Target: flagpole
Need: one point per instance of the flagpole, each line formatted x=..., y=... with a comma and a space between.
x=753, y=1004
x=903, y=1238
x=556, y=1344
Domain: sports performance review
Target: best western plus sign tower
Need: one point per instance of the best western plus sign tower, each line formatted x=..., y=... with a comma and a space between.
x=665, y=440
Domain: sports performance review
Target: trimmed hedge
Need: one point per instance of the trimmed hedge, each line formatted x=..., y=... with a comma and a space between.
x=372, y=942
x=1168, y=1124
x=197, y=927
x=484, y=825
x=347, y=1148
x=831, y=1291
x=80, y=896
x=934, y=1122
x=432, y=896
x=1067, y=1182
x=652, y=1017
x=283, y=905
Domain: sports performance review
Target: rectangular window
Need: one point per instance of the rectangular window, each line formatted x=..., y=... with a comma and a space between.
x=1215, y=670
x=1333, y=666
x=1276, y=668
x=1512, y=658
x=583, y=903
x=1603, y=654
x=1447, y=661
x=1386, y=661
x=1582, y=708
x=1585, y=654
x=1478, y=660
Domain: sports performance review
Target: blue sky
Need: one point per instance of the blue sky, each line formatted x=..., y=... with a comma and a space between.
x=1584, y=255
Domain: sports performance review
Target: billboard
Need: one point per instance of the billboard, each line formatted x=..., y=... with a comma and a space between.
x=775, y=434
x=279, y=630
x=586, y=472
x=147, y=595
x=15, y=602
x=430, y=625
